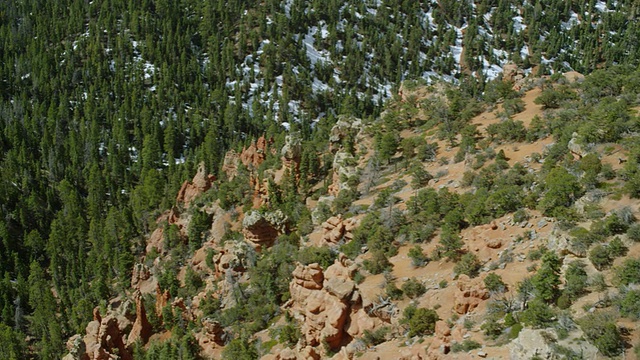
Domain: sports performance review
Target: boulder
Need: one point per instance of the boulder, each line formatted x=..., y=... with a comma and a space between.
x=336, y=228
x=469, y=294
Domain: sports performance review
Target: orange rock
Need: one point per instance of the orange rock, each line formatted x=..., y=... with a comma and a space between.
x=142, y=329
x=469, y=294
x=189, y=190
x=162, y=298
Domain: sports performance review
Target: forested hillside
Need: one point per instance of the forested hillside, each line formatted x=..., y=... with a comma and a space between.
x=107, y=107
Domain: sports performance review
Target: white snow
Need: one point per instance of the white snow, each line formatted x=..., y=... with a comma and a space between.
x=518, y=26
x=312, y=53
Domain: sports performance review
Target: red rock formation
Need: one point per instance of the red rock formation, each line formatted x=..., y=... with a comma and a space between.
x=335, y=228
x=328, y=305
x=513, y=74
x=142, y=329
x=230, y=164
x=260, y=191
x=189, y=190
x=469, y=294
x=255, y=154
x=261, y=230
x=213, y=331
x=140, y=273
x=105, y=338
x=162, y=298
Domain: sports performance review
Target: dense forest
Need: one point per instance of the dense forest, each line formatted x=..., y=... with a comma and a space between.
x=106, y=107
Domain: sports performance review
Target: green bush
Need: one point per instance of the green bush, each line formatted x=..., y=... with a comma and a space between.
x=418, y=258
x=633, y=232
x=378, y=263
x=466, y=346
x=601, y=330
x=493, y=282
x=600, y=257
x=321, y=255
x=469, y=265
x=421, y=321
x=538, y=314
x=492, y=327
x=392, y=291
x=629, y=304
x=617, y=248
x=375, y=337
x=576, y=279
x=413, y=288
x=515, y=330
x=240, y=349
x=562, y=189
x=628, y=272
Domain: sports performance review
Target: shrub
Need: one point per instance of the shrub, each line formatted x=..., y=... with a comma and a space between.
x=538, y=314
x=413, y=288
x=515, y=330
x=600, y=257
x=240, y=349
x=469, y=264
x=378, y=263
x=321, y=255
x=492, y=328
x=601, y=330
x=418, y=258
x=576, y=280
x=633, y=232
x=617, y=248
x=628, y=272
x=562, y=189
x=493, y=282
x=466, y=346
x=392, y=291
x=375, y=337
x=421, y=321
x=547, y=279
x=629, y=304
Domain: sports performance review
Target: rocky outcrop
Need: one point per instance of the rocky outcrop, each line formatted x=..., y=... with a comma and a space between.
x=142, y=329
x=255, y=154
x=336, y=228
x=577, y=150
x=469, y=294
x=230, y=164
x=513, y=74
x=139, y=274
x=328, y=305
x=106, y=336
x=262, y=229
x=345, y=127
x=191, y=189
x=76, y=348
x=213, y=331
x=162, y=299
x=343, y=169
x=560, y=244
x=260, y=190
x=544, y=344
x=233, y=257
x=291, y=152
